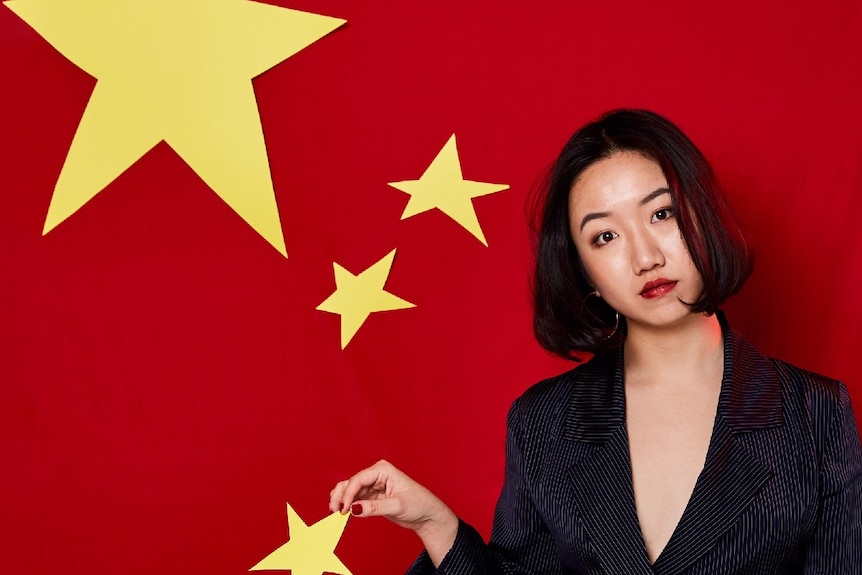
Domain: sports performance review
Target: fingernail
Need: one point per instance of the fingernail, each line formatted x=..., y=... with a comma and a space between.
x=356, y=509
x=341, y=506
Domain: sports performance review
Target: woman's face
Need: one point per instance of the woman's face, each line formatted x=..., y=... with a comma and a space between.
x=625, y=230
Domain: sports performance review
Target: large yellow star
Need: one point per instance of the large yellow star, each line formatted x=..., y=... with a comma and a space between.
x=310, y=550
x=179, y=71
x=358, y=296
x=442, y=186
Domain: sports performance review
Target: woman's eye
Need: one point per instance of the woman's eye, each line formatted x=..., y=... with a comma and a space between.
x=662, y=214
x=604, y=238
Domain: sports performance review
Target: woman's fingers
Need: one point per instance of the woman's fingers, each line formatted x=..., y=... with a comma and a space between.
x=369, y=483
x=335, y=495
x=386, y=507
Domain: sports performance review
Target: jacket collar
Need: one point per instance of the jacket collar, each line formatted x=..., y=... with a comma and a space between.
x=750, y=397
x=750, y=391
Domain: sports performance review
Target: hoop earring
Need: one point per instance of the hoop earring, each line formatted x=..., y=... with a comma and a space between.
x=616, y=313
x=616, y=325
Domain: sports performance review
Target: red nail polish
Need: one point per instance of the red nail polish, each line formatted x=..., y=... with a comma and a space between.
x=356, y=509
x=341, y=506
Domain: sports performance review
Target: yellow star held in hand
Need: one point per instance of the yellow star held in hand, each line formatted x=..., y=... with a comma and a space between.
x=357, y=297
x=442, y=186
x=179, y=71
x=310, y=550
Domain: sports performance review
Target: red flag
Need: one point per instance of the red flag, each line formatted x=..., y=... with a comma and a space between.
x=168, y=383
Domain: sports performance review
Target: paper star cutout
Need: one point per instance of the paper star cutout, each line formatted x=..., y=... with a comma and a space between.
x=310, y=550
x=442, y=186
x=178, y=71
x=358, y=296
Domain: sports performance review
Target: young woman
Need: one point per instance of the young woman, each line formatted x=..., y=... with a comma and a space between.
x=678, y=448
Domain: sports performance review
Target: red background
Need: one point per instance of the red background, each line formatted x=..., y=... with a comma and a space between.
x=167, y=384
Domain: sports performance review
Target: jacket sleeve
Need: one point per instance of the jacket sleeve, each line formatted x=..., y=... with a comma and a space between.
x=837, y=543
x=520, y=544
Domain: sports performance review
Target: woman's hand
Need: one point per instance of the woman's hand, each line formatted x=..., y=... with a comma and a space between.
x=383, y=490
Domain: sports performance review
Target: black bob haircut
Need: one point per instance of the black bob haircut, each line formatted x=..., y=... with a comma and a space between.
x=566, y=321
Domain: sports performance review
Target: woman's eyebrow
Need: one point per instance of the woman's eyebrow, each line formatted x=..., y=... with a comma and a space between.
x=593, y=216
x=647, y=199
x=653, y=195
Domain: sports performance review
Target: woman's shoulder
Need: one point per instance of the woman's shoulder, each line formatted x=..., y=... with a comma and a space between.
x=577, y=405
x=806, y=381
x=770, y=389
x=755, y=376
x=823, y=397
x=595, y=383
x=596, y=371
x=826, y=414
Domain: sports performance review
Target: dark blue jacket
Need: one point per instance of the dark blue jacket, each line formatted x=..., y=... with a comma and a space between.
x=780, y=491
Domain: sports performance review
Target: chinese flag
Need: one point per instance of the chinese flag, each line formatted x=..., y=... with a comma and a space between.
x=170, y=379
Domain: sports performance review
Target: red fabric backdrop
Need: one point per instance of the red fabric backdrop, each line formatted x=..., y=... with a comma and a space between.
x=167, y=384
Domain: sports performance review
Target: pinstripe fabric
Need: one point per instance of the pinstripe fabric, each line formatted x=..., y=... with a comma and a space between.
x=780, y=492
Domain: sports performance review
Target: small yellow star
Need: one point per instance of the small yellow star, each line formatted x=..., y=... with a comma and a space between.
x=442, y=186
x=310, y=550
x=178, y=71
x=358, y=296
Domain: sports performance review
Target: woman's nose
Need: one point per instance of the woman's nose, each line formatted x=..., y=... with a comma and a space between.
x=646, y=253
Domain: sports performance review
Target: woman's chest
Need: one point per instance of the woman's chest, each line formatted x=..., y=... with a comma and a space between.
x=754, y=500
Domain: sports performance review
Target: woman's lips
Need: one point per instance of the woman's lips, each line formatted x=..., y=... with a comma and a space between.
x=657, y=288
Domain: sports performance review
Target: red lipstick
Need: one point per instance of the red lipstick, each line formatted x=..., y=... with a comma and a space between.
x=657, y=288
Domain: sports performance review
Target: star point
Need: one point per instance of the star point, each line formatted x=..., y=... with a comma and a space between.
x=178, y=71
x=310, y=549
x=443, y=186
x=358, y=296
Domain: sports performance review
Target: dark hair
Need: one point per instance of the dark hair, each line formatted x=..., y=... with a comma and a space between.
x=566, y=320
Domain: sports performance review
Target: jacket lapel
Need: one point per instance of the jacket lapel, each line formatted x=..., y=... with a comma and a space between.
x=601, y=477
x=732, y=476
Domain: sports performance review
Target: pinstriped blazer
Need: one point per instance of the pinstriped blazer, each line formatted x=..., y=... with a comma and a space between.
x=780, y=491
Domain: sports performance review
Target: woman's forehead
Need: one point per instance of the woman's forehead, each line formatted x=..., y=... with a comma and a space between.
x=623, y=178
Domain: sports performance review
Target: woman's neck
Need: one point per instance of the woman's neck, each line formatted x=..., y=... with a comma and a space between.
x=690, y=350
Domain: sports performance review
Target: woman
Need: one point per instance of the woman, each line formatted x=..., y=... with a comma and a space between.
x=678, y=448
